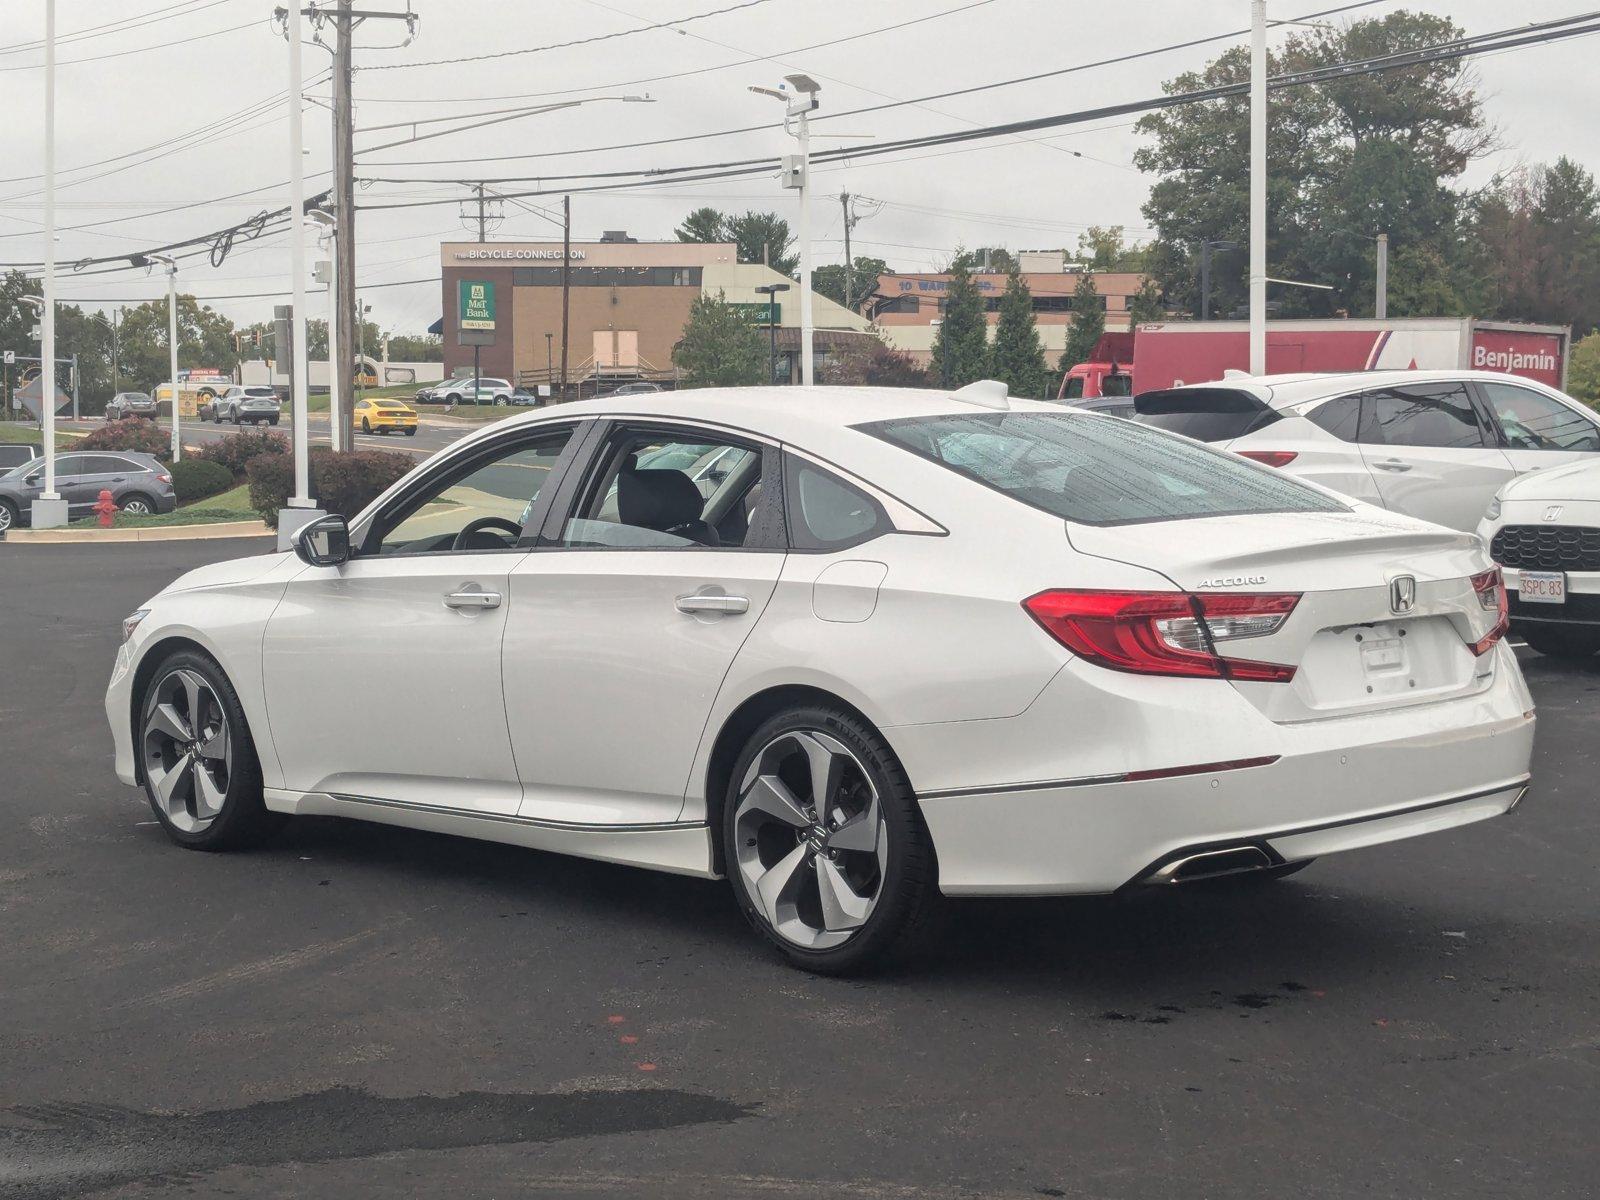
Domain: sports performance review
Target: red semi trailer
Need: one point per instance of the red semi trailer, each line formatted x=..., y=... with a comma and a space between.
x=1172, y=353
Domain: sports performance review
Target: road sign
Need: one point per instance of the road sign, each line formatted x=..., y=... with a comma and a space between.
x=477, y=304
x=11, y=358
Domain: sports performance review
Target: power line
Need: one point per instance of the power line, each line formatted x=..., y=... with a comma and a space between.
x=605, y=87
x=599, y=37
x=873, y=108
x=365, y=287
x=1461, y=48
x=120, y=25
x=199, y=37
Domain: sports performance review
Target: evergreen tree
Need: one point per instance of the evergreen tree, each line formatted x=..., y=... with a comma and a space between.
x=1018, y=358
x=719, y=347
x=961, y=347
x=1145, y=304
x=1088, y=323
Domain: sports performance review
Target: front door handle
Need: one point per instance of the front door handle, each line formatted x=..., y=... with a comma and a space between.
x=713, y=604
x=1392, y=464
x=472, y=600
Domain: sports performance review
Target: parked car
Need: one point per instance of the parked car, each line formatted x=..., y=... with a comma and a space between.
x=910, y=643
x=428, y=394
x=244, y=406
x=1544, y=531
x=521, y=397
x=487, y=391
x=385, y=416
x=139, y=484
x=16, y=454
x=1431, y=444
x=638, y=388
x=130, y=404
x=1111, y=406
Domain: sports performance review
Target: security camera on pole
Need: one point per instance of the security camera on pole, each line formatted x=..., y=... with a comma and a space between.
x=796, y=175
x=326, y=272
x=150, y=260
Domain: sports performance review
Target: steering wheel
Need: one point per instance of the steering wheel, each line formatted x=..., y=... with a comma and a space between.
x=482, y=523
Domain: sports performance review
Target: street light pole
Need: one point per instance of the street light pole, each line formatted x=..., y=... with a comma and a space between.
x=1205, y=273
x=1381, y=304
x=49, y=510
x=299, y=378
x=797, y=176
x=172, y=350
x=770, y=291
x=1258, y=187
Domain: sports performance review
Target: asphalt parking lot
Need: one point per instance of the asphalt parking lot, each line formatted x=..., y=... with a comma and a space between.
x=365, y=1011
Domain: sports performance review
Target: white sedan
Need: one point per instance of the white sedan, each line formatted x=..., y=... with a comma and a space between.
x=1544, y=530
x=896, y=644
x=1431, y=444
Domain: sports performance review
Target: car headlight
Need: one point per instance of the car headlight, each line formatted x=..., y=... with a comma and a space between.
x=131, y=622
x=1493, y=513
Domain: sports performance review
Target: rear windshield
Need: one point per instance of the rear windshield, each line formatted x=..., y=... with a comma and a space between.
x=1096, y=471
x=1204, y=414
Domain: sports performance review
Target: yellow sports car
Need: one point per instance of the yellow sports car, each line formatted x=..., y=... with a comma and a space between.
x=380, y=416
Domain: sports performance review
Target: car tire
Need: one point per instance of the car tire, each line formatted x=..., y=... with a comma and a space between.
x=10, y=516
x=208, y=793
x=412, y=432
x=366, y=425
x=1558, y=642
x=137, y=504
x=453, y=399
x=501, y=402
x=234, y=417
x=883, y=884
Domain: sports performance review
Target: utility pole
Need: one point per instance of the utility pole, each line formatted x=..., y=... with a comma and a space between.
x=477, y=366
x=49, y=510
x=1258, y=187
x=1381, y=303
x=566, y=284
x=849, y=272
x=342, y=326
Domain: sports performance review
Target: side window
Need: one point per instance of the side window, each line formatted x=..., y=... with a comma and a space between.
x=671, y=491
x=69, y=464
x=1340, y=416
x=1425, y=414
x=106, y=464
x=825, y=512
x=482, y=506
x=1532, y=421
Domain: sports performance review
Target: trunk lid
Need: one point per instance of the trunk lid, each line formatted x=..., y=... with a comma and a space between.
x=1351, y=650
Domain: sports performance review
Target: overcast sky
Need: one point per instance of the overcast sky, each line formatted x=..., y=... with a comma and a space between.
x=151, y=88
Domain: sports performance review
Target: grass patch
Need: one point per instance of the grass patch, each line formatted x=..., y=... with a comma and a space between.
x=232, y=505
x=16, y=434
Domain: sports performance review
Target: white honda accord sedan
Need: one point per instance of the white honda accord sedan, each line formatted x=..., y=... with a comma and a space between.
x=849, y=648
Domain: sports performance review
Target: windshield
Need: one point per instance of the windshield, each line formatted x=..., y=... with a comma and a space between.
x=1098, y=471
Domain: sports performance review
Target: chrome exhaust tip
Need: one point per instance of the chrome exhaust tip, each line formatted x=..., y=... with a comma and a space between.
x=1212, y=864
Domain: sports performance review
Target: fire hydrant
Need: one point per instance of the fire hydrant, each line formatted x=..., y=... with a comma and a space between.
x=106, y=507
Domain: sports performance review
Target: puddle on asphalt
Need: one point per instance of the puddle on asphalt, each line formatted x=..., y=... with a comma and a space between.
x=51, y=1150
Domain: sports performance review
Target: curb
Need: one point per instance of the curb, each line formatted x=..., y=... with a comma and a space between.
x=154, y=533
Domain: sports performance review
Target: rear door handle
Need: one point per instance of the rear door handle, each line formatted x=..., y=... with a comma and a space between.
x=713, y=604
x=1392, y=464
x=472, y=600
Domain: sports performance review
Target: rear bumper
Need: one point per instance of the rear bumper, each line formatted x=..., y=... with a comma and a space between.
x=1324, y=786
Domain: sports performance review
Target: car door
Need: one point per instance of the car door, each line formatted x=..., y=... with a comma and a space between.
x=383, y=675
x=1537, y=430
x=1431, y=452
x=104, y=472
x=627, y=617
x=76, y=482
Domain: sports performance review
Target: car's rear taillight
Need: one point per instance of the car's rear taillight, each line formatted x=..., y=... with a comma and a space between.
x=1490, y=587
x=163, y=478
x=1165, y=633
x=1272, y=458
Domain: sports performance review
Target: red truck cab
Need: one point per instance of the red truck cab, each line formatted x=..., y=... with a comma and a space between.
x=1109, y=371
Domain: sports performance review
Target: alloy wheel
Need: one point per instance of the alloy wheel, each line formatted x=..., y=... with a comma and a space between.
x=136, y=508
x=5, y=518
x=812, y=844
x=188, y=750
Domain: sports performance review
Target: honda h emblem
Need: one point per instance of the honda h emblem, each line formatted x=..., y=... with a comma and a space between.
x=1402, y=593
x=1553, y=512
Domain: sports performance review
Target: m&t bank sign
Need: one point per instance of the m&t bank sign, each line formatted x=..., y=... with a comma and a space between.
x=477, y=304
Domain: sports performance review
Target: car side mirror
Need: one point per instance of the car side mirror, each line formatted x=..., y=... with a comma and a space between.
x=35, y=479
x=325, y=542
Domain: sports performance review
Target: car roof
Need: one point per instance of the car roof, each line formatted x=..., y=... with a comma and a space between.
x=1288, y=390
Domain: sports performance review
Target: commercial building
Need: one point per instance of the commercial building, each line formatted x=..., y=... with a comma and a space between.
x=909, y=307
x=627, y=303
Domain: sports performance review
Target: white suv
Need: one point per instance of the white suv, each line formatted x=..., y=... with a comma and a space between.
x=488, y=391
x=1431, y=444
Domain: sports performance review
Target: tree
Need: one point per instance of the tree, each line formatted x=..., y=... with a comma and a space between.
x=829, y=281
x=205, y=339
x=759, y=236
x=998, y=259
x=961, y=347
x=416, y=347
x=1583, y=370
x=1017, y=356
x=719, y=347
x=1538, y=237
x=1145, y=304
x=870, y=362
x=1350, y=158
x=1106, y=248
x=702, y=225
x=1088, y=323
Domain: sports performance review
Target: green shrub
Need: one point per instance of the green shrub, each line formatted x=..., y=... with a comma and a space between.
x=340, y=483
x=235, y=453
x=139, y=435
x=195, y=479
